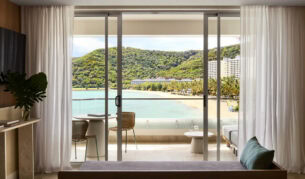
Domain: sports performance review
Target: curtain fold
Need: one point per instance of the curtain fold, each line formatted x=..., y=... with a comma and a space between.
x=272, y=92
x=49, y=46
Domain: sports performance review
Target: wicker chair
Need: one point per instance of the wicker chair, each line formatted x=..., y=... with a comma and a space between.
x=128, y=123
x=79, y=130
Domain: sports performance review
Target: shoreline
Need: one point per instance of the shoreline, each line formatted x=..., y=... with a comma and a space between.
x=197, y=104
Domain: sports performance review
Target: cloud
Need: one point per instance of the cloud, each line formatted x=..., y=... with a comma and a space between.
x=166, y=43
x=84, y=44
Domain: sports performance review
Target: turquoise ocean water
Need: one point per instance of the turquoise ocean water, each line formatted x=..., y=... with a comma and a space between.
x=142, y=108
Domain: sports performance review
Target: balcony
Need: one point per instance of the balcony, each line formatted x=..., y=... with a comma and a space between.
x=159, y=131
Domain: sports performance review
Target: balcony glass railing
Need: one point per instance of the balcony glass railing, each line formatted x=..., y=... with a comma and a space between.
x=160, y=114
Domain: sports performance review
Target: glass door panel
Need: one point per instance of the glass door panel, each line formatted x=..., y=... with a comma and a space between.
x=229, y=81
x=88, y=94
x=223, y=85
x=212, y=89
x=114, y=49
x=96, y=84
x=163, y=84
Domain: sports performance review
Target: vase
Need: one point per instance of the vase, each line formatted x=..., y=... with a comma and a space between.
x=25, y=115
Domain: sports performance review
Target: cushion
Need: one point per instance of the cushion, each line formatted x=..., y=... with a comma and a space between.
x=227, y=129
x=255, y=156
x=163, y=166
x=234, y=138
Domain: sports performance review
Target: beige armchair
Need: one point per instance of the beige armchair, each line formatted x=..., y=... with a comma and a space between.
x=128, y=123
x=79, y=130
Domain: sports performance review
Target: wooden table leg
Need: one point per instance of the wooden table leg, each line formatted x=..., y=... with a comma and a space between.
x=26, y=152
x=3, y=169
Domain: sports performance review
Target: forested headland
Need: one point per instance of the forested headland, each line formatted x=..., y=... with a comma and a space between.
x=88, y=70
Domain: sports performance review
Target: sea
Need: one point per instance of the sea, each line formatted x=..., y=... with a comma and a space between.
x=174, y=109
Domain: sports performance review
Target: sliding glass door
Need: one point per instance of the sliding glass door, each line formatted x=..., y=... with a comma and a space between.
x=97, y=85
x=178, y=72
x=163, y=85
x=221, y=87
x=113, y=87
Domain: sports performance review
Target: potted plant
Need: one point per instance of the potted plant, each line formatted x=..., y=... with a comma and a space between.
x=26, y=91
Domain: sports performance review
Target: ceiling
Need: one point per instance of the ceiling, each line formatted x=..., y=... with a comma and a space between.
x=158, y=2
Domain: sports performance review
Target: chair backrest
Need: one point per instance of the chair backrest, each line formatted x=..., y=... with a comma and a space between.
x=79, y=130
x=128, y=120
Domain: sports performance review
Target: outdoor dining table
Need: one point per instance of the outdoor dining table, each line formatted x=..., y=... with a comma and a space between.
x=96, y=127
x=197, y=140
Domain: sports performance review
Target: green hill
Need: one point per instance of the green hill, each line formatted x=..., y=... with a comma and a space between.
x=88, y=70
x=191, y=68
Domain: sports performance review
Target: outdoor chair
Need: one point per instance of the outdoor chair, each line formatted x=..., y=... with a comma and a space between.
x=128, y=123
x=79, y=130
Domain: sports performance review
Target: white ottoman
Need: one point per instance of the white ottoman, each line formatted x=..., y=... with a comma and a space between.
x=197, y=141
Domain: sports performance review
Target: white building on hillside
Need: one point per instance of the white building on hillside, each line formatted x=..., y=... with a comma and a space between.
x=158, y=80
x=229, y=67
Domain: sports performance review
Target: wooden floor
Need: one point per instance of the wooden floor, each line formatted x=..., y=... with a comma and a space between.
x=156, y=152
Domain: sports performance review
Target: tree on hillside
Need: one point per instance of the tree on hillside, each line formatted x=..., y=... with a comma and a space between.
x=88, y=70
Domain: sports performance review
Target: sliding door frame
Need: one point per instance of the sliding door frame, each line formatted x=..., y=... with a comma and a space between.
x=118, y=99
x=205, y=87
x=106, y=15
x=119, y=85
x=106, y=89
x=207, y=15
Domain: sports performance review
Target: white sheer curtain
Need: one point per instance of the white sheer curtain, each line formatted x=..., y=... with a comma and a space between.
x=49, y=46
x=272, y=93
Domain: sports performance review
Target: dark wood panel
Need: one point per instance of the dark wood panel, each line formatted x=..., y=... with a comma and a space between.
x=9, y=19
x=6, y=99
x=9, y=15
x=248, y=174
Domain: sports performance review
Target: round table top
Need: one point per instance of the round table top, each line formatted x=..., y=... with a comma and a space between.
x=86, y=117
x=197, y=134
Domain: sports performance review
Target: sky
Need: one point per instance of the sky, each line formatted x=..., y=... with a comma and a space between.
x=85, y=44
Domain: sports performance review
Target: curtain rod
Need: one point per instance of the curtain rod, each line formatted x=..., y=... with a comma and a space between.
x=155, y=8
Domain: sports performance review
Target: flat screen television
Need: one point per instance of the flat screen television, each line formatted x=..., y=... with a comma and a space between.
x=12, y=51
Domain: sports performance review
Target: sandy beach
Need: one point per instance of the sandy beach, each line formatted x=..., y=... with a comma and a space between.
x=198, y=104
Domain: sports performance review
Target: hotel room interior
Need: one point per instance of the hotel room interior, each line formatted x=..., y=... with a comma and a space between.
x=152, y=88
